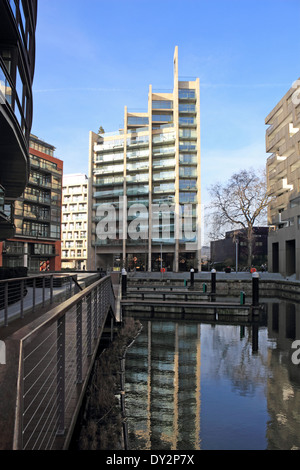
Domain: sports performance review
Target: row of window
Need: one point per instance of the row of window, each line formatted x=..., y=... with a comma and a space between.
x=43, y=197
x=74, y=216
x=74, y=244
x=43, y=149
x=73, y=190
x=18, y=248
x=72, y=226
x=74, y=254
x=140, y=165
x=75, y=207
x=38, y=230
x=74, y=235
x=43, y=164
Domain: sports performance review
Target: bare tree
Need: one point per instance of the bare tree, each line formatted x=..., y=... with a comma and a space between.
x=240, y=203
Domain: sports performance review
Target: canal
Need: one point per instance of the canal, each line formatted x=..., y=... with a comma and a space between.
x=211, y=386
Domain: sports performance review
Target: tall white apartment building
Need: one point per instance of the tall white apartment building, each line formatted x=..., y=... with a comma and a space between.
x=148, y=170
x=74, y=222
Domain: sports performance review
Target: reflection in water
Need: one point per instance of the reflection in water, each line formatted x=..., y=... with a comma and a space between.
x=211, y=386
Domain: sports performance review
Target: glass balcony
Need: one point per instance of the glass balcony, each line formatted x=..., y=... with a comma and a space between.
x=164, y=188
x=137, y=154
x=187, y=134
x=162, y=104
x=138, y=178
x=187, y=146
x=167, y=162
x=164, y=150
x=187, y=108
x=188, y=184
x=168, y=137
x=187, y=121
x=185, y=94
x=112, y=193
x=164, y=175
x=188, y=159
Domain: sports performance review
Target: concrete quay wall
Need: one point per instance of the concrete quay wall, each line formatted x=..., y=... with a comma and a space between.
x=229, y=285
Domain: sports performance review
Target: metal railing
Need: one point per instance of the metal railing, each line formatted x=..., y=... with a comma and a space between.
x=21, y=295
x=56, y=359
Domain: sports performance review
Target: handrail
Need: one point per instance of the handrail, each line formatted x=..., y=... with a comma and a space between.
x=21, y=294
x=56, y=355
x=63, y=308
x=28, y=278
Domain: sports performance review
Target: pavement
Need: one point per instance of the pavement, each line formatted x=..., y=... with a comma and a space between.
x=205, y=275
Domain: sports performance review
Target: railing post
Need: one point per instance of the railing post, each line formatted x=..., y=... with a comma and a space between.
x=79, y=341
x=89, y=325
x=44, y=283
x=70, y=282
x=22, y=299
x=33, y=293
x=95, y=312
x=101, y=303
x=61, y=365
x=98, y=290
x=6, y=304
x=51, y=289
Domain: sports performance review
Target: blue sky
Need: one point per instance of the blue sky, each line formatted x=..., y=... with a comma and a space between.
x=94, y=57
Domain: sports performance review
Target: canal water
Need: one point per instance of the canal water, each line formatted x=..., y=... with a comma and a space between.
x=193, y=385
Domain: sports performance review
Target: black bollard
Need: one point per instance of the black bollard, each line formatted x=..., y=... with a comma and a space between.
x=255, y=289
x=124, y=283
x=213, y=284
x=192, y=277
x=213, y=281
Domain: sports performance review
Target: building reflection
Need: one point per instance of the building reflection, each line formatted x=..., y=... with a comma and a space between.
x=283, y=391
x=166, y=369
x=171, y=363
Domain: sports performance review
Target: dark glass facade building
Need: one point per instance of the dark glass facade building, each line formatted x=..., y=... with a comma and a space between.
x=17, y=62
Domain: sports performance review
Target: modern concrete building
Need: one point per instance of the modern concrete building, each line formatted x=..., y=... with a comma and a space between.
x=37, y=214
x=283, y=177
x=17, y=62
x=154, y=163
x=74, y=221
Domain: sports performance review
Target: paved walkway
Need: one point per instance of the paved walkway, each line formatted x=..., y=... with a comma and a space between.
x=205, y=275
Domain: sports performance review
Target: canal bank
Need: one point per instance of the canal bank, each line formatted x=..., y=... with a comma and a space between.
x=229, y=285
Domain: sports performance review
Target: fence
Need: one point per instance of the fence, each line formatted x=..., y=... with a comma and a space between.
x=55, y=362
x=23, y=294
